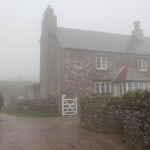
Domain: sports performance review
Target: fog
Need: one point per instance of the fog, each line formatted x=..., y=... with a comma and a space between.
x=20, y=27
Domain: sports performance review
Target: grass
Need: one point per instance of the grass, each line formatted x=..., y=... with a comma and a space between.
x=28, y=113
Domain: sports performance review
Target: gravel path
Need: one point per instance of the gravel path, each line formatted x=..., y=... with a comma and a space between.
x=25, y=133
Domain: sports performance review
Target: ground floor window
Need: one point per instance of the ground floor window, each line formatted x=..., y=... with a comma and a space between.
x=128, y=86
x=102, y=87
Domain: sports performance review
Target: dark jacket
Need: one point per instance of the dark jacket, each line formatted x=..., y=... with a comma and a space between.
x=1, y=101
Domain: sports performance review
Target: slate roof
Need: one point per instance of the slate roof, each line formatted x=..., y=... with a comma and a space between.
x=101, y=41
x=129, y=74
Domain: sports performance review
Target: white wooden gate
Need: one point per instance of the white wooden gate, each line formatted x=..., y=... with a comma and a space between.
x=69, y=106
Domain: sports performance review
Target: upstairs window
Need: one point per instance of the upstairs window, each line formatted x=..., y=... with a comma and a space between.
x=101, y=63
x=142, y=64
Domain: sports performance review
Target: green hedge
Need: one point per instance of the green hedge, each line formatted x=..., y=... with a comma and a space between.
x=129, y=114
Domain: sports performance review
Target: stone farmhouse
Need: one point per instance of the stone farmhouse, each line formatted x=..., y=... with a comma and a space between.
x=77, y=62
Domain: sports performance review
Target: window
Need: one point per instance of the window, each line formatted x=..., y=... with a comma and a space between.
x=128, y=86
x=102, y=87
x=101, y=63
x=142, y=64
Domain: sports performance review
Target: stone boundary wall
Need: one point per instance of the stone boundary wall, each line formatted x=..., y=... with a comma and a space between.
x=45, y=105
x=128, y=115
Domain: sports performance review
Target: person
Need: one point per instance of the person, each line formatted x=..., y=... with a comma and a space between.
x=1, y=102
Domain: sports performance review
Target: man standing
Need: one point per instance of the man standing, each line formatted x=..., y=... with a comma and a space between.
x=1, y=102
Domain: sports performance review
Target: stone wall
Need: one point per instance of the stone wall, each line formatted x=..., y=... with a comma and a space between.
x=129, y=115
x=80, y=73
x=44, y=105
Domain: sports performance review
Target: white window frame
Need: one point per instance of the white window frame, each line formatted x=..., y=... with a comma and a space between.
x=101, y=62
x=142, y=64
x=140, y=86
x=100, y=88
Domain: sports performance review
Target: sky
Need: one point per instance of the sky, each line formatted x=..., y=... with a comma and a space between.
x=20, y=27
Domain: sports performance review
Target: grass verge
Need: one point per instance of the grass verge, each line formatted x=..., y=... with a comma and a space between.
x=28, y=113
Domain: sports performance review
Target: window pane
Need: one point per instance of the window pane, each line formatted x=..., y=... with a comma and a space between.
x=124, y=87
x=97, y=87
x=120, y=87
x=104, y=62
x=144, y=85
x=107, y=87
x=129, y=86
x=98, y=62
x=135, y=85
x=104, y=66
x=141, y=85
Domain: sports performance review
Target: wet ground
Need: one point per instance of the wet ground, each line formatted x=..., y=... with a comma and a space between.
x=25, y=133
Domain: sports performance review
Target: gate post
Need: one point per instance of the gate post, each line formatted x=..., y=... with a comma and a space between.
x=76, y=106
x=63, y=97
x=59, y=105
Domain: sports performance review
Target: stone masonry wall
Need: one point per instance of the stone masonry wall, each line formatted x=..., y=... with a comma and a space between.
x=80, y=73
x=38, y=105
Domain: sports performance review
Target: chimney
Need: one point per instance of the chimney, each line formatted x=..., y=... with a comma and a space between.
x=137, y=33
x=49, y=23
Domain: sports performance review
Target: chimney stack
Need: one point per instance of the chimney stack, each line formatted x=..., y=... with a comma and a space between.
x=49, y=23
x=137, y=33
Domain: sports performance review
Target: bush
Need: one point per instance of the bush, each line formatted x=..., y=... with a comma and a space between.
x=129, y=114
x=101, y=113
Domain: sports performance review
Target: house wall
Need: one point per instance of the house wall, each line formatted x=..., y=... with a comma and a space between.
x=50, y=67
x=80, y=73
x=50, y=57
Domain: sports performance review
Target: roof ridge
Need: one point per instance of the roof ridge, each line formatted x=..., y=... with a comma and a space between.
x=85, y=30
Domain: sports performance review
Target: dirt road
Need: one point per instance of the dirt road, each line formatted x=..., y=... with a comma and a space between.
x=23, y=133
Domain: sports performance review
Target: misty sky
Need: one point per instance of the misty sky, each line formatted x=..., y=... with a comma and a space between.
x=20, y=27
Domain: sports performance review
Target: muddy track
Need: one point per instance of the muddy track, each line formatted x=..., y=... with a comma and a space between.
x=23, y=133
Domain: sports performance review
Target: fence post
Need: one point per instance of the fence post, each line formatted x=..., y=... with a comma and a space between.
x=76, y=106
x=63, y=97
